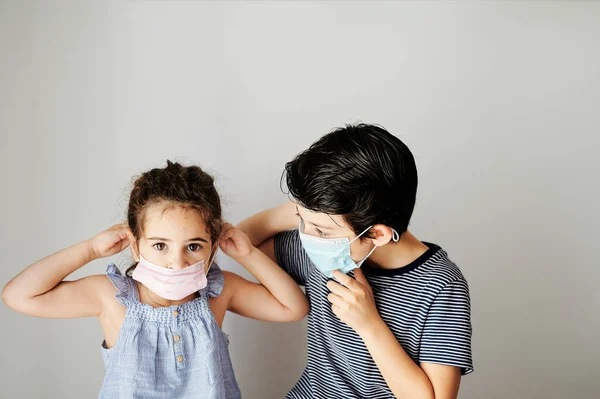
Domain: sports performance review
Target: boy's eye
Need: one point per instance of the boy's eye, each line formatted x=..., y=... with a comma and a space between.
x=159, y=246
x=320, y=233
x=194, y=247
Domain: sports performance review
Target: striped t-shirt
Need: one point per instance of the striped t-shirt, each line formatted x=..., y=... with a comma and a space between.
x=425, y=304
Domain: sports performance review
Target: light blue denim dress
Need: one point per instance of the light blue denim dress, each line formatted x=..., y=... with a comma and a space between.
x=170, y=352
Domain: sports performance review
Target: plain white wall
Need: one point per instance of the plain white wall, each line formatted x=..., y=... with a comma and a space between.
x=499, y=101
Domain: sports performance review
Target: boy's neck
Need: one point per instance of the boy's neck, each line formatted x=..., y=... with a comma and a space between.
x=398, y=254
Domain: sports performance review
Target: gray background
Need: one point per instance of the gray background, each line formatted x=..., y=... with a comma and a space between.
x=499, y=102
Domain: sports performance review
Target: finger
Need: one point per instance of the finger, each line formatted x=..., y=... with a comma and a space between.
x=336, y=311
x=224, y=244
x=123, y=234
x=360, y=277
x=124, y=244
x=336, y=300
x=339, y=290
x=228, y=246
x=226, y=235
x=119, y=226
x=128, y=229
x=227, y=228
x=346, y=280
x=116, y=247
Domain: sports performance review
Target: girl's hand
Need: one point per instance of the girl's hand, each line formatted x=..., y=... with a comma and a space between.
x=111, y=241
x=234, y=242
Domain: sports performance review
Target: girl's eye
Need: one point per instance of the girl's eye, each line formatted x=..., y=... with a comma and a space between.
x=159, y=246
x=194, y=247
x=320, y=233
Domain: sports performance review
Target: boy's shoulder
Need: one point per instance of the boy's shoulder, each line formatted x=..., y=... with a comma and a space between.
x=440, y=265
x=438, y=270
x=433, y=264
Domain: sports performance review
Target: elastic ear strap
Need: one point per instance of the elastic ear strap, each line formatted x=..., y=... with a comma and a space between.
x=373, y=250
x=356, y=238
x=359, y=264
x=135, y=254
x=212, y=259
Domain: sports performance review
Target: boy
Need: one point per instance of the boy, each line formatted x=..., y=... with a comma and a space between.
x=390, y=315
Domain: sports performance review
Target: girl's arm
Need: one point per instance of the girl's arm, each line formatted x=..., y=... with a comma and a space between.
x=276, y=298
x=39, y=290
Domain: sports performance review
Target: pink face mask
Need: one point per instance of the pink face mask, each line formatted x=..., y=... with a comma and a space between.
x=171, y=284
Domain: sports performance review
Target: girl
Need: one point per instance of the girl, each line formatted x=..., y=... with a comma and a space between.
x=162, y=320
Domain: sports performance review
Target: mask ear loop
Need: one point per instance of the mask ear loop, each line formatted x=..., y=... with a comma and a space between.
x=213, y=255
x=356, y=238
x=366, y=257
x=395, y=236
x=369, y=254
x=136, y=256
x=134, y=252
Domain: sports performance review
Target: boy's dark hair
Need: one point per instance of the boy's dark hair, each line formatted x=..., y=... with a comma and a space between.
x=361, y=172
x=177, y=185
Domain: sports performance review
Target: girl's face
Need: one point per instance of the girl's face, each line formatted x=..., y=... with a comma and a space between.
x=174, y=237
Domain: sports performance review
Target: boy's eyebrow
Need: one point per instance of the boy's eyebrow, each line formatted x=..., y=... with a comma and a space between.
x=316, y=225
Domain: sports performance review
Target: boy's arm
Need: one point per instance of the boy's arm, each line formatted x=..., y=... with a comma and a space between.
x=403, y=376
x=274, y=232
x=266, y=224
x=438, y=374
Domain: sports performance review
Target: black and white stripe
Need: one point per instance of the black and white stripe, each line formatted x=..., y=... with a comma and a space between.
x=425, y=304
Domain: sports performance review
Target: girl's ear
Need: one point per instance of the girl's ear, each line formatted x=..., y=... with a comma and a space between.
x=134, y=249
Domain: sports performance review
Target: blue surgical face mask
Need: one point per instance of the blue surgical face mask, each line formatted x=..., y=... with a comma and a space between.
x=329, y=254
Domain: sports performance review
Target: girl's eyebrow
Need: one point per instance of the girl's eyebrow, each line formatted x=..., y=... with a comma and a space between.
x=158, y=239
x=166, y=239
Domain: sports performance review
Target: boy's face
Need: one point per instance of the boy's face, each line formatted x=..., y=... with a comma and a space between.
x=322, y=225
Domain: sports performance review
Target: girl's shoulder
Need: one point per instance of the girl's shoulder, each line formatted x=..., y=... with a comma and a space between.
x=119, y=286
x=101, y=284
x=232, y=283
x=231, y=280
x=215, y=281
x=104, y=289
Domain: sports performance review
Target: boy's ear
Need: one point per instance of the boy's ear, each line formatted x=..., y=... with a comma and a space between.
x=383, y=234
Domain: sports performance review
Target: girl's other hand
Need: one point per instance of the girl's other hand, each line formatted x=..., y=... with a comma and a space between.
x=234, y=242
x=111, y=241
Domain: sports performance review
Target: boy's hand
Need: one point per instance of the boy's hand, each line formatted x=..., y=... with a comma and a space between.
x=111, y=241
x=234, y=242
x=352, y=301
